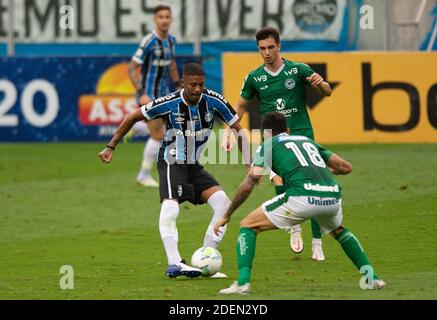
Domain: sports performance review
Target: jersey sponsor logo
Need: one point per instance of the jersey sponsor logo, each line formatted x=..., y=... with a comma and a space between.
x=287, y=137
x=209, y=116
x=280, y=104
x=200, y=133
x=261, y=78
x=288, y=112
x=166, y=98
x=149, y=105
x=180, y=120
x=161, y=63
x=215, y=94
x=291, y=72
x=322, y=201
x=289, y=84
x=172, y=152
x=318, y=187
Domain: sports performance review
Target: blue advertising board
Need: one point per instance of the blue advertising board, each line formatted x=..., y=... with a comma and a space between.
x=64, y=98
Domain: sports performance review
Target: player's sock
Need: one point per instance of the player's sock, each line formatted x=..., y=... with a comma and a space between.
x=169, y=232
x=149, y=157
x=353, y=249
x=280, y=189
x=315, y=228
x=246, y=244
x=219, y=202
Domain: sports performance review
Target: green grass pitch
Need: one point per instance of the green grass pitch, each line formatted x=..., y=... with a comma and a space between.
x=60, y=206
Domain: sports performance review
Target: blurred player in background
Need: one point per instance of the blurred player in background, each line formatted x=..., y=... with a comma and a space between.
x=311, y=191
x=156, y=57
x=189, y=116
x=279, y=85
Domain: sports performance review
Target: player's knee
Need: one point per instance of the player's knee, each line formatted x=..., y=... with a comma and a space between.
x=246, y=223
x=219, y=201
x=157, y=134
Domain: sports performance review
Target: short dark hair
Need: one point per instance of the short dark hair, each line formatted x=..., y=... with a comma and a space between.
x=193, y=69
x=267, y=32
x=161, y=7
x=274, y=121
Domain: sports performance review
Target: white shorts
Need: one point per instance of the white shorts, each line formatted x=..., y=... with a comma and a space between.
x=285, y=213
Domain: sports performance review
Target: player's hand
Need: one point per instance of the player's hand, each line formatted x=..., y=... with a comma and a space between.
x=221, y=223
x=315, y=79
x=106, y=155
x=144, y=99
x=226, y=144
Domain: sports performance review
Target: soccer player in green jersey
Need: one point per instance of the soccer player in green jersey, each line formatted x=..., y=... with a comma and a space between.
x=279, y=85
x=311, y=191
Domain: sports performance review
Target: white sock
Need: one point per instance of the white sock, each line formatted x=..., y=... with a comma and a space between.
x=296, y=228
x=317, y=241
x=149, y=157
x=219, y=202
x=168, y=230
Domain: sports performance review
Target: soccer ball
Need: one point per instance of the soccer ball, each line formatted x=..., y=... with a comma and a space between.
x=208, y=260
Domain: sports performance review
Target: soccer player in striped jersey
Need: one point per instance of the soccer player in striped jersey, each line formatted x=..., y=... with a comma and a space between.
x=156, y=58
x=189, y=118
x=311, y=191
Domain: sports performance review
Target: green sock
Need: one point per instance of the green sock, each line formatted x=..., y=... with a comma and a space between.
x=315, y=228
x=279, y=189
x=246, y=244
x=353, y=249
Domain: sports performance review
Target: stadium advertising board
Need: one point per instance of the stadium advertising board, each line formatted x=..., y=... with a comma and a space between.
x=377, y=97
x=117, y=21
x=65, y=99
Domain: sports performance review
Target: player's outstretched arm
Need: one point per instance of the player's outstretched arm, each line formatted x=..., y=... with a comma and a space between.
x=125, y=126
x=239, y=108
x=244, y=191
x=338, y=165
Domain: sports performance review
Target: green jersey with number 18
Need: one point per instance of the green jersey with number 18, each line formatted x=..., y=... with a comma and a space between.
x=301, y=163
x=282, y=91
